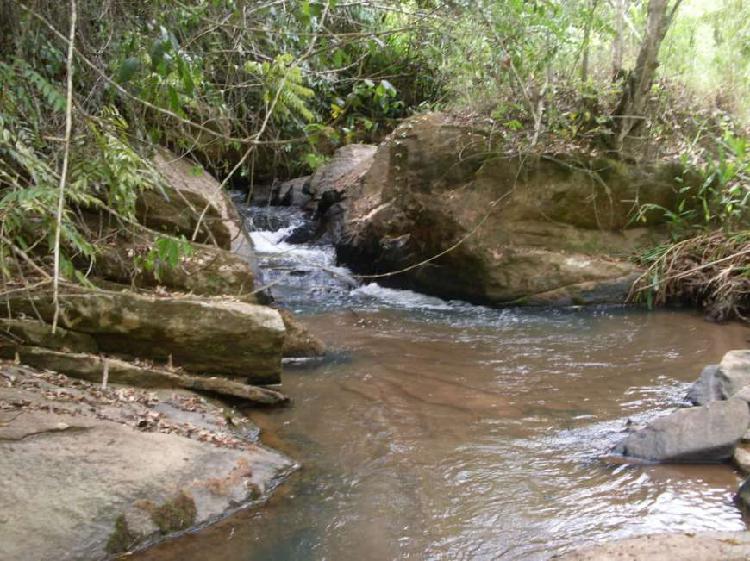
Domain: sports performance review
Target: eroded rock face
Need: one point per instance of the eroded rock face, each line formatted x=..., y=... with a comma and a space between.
x=204, y=336
x=34, y=332
x=697, y=434
x=539, y=229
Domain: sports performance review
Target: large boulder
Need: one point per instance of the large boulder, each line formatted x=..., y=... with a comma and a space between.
x=697, y=434
x=90, y=472
x=191, y=197
x=348, y=165
x=722, y=381
x=204, y=336
x=205, y=271
x=497, y=228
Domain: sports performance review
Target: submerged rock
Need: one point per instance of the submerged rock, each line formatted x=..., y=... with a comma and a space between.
x=724, y=546
x=697, y=434
x=544, y=229
x=298, y=341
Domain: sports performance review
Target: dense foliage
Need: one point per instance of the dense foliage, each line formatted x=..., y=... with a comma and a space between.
x=263, y=89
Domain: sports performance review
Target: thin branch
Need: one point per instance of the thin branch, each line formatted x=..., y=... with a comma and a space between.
x=64, y=171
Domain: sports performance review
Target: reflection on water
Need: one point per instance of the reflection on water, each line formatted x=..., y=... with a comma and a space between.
x=472, y=434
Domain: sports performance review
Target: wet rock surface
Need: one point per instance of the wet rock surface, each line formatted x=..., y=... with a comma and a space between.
x=698, y=434
x=299, y=342
x=729, y=546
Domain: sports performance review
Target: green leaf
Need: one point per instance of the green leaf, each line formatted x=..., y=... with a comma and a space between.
x=128, y=69
x=174, y=99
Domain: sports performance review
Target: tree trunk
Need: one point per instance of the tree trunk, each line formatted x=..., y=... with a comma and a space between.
x=629, y=113
x=587, y=40
x=618, y=43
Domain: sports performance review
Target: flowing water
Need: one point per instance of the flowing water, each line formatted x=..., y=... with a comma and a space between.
x=444, y=431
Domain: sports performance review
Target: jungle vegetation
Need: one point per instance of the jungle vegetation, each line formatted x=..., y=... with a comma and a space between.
x=257, y=90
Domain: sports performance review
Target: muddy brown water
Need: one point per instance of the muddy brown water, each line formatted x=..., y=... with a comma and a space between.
x=477, y=435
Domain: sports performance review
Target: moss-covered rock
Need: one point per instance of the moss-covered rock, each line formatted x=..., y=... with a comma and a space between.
x=14, y=332
x=204, y=271
x=121, y=539
x=175, y=514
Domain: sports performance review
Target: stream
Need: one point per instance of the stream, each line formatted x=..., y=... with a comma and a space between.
x=444, y=431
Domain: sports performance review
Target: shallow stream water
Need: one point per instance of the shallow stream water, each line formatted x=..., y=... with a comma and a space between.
x=444, y=431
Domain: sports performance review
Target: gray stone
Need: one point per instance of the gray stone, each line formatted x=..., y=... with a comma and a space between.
x=698, y=434
x=349, y=163
x=80, y=481
x=52, y=513
x=741, y=457
x=733, y=373
x=743, y=495
x=705, y=388
x=723, y=380
x=294, y=192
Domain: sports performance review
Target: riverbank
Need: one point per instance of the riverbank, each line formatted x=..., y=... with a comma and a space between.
x=108, y=439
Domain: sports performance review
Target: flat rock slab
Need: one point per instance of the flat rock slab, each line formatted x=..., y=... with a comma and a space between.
x=697, y=434
x=89, y=472
x=203, y=336
x=725, y=546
